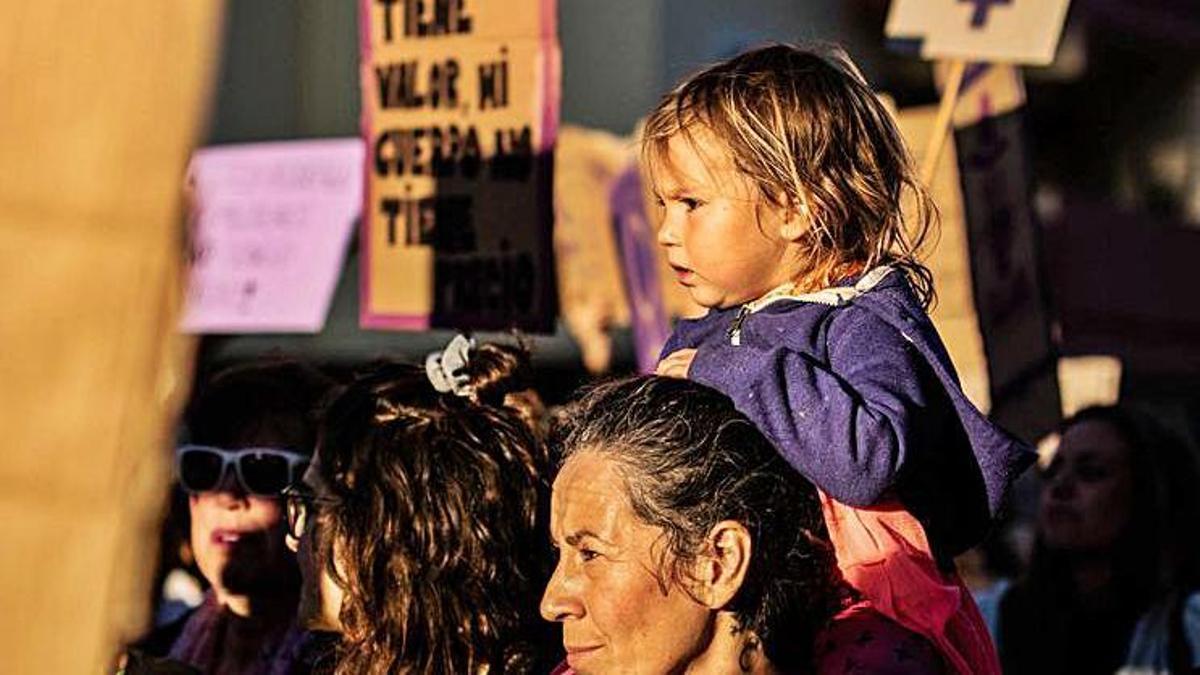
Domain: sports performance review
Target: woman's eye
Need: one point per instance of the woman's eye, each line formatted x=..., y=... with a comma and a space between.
x=1092, y=473
x=588, y=554
x=689, y=203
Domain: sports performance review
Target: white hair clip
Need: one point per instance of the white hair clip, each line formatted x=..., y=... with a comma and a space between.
x=444, y=368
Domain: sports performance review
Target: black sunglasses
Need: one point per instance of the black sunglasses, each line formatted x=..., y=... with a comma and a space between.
x=261, y=471
x=300, y=500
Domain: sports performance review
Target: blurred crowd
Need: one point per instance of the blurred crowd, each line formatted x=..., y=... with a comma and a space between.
x=374, y=523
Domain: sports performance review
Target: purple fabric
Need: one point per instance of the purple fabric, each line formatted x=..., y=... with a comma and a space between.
x=639, y=263
x=861, y=640
x=863, y=400
x=200, y=642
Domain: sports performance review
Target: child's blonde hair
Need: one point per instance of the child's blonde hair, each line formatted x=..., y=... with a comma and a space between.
x=805, y=128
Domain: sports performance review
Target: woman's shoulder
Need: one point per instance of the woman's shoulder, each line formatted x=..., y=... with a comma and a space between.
x=808, y=326
x=860, y=639
x=988, y=600
x=1190, y=625
x=1167, y=635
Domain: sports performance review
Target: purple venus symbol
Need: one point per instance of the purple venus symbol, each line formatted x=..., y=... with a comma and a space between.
x=980, y=16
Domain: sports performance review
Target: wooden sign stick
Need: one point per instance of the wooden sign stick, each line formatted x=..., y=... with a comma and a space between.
x=941, y=124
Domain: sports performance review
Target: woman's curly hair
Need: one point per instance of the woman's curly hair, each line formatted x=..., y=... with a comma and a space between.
x=439, y=530
x=690, y=460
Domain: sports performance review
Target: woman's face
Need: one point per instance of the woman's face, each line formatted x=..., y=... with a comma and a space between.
x=238, y=540
x=619, y=610
x=1087, y=491
x=320, y=597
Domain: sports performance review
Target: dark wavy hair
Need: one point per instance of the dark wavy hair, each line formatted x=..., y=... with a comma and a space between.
x=803, y=125
x=271, y=400
x=440, y=524
x=690, y=460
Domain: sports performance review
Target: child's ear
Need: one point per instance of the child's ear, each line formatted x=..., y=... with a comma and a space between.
x=797, y=219
x=721, y=570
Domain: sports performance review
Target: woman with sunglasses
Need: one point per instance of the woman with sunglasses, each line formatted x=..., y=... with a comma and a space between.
x=418, y=527
x=252, y=430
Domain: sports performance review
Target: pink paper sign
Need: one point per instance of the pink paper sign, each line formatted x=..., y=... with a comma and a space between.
x=269, y=233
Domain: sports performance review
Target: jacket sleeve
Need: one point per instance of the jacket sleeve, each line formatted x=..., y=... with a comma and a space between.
x=690, y=333
x=846, y=425
x=678, y=340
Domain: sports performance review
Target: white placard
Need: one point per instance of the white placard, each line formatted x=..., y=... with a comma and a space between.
x=270, y=232
x=1004, y=31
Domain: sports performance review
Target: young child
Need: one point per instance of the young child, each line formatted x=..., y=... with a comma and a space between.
x=781, y=176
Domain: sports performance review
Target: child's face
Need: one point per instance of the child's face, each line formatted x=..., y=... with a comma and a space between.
x=722, y=251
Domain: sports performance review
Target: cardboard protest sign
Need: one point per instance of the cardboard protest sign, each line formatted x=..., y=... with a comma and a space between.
x=1086, y=381
x=269, y=234
x=460, y=112
x=990, y=311
x=640, y=262
x=587, y=163
x=91, y=170
x=1006, y=31
x=987, y=89
x=948, y=258
x=1022, y=360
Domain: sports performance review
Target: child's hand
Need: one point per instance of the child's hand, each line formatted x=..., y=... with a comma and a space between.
x=677, y=363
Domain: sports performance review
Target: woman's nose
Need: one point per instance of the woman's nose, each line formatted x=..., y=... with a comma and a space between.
x=1062, y=486
x=558, y=603
x=229, y=491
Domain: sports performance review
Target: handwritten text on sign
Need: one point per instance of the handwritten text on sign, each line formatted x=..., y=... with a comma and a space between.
x=269, y=235
x=460, y=102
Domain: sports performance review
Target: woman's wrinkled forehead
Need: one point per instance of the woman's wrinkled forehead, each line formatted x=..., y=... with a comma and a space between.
x=590, y=494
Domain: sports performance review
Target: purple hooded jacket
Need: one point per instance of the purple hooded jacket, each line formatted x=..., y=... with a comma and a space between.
x=856, y=390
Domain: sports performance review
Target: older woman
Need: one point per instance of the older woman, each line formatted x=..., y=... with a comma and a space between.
x=687, y=544
x=417, y=525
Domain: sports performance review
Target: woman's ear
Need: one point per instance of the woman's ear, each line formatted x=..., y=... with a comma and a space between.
x=722, y=569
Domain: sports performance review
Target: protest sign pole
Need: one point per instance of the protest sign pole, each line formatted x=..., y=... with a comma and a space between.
x=941, y=125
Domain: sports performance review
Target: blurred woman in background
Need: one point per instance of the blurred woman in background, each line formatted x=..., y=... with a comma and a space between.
x=252, y=430
x=1113, y=579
